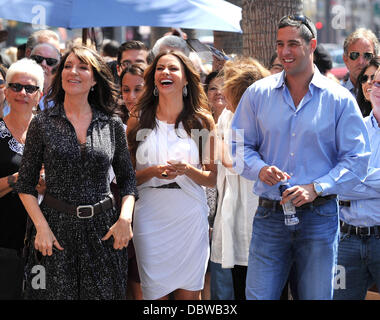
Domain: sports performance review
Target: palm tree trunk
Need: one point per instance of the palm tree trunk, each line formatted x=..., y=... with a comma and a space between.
x=259, y=24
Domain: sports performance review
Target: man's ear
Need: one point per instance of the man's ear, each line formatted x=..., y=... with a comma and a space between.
x=313, y=44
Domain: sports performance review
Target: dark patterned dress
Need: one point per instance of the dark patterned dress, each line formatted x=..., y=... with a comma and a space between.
x=87, y=268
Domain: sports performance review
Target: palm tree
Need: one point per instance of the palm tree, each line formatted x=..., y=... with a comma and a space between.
x=259, y=24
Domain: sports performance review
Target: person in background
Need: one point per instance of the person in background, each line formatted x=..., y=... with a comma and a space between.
x=78, y=236
x=42, y=36
x=275, y=65
x=358, y=49
x=110, y=50
x=132, y=85
x=3, y=73
x=364, y=84
x=170, y=42
x=219, y=279
x=24, y=86
x=359, y=245
x=21, y=51
x=131, y=52
x=48, y=57
x=172, y=249
x=237, y=204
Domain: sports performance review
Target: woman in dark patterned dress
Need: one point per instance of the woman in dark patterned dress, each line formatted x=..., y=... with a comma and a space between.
x=24, y=85
x=78, y=247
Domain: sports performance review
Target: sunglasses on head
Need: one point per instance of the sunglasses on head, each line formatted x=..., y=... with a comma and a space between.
x=364, y=78
x=301, y=18
x=17, y=87
x=49, y=61
x=366, y=55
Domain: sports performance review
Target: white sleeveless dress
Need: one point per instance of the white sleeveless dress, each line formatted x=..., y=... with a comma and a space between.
x=170, y=226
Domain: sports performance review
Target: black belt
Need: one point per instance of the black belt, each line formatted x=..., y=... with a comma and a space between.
x=344, y=203
x=275, y=204
x=173, y=185
x=82, y=211
x=359, y=231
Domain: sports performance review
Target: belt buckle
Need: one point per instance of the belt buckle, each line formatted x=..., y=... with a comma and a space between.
x=86, y=216
x=359, y=231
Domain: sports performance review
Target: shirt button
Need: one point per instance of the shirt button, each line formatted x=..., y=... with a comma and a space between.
x=293, y=134
x=292, y=154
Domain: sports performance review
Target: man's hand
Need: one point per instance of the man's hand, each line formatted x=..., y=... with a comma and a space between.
x=299, y=195
x=272, y=175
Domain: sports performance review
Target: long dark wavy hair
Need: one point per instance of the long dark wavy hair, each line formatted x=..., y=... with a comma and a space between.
x=365, y=105
x=195, y=114
x=105, y=92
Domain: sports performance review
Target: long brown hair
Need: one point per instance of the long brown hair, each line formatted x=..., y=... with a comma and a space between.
x=195, y=114
x=104, y=93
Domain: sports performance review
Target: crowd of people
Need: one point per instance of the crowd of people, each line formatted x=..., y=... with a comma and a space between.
x=132, y=173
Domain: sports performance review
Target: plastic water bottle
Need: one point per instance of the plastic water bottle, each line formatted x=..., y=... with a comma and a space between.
x=288, y=208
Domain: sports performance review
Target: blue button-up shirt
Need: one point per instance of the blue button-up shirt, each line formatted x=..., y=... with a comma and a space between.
x=365, y=197
x=349, y=86
x=324, y=139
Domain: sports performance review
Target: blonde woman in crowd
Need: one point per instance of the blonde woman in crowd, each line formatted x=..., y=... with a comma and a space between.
x=236, y=203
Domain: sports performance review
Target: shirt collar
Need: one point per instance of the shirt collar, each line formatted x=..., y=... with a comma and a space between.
x=58, y=110
x=318, y=80
x=374, y=123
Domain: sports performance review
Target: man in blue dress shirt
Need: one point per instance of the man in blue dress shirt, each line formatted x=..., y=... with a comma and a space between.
x=359, y=245
x=297, y=125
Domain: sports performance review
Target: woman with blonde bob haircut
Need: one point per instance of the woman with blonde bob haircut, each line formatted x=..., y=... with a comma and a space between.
x=236, y=203
x=170, y=220
x=23, y=90
x=78, y=140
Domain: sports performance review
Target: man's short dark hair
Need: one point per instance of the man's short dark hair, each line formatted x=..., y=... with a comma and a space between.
x=307, y=28
x=130, y=45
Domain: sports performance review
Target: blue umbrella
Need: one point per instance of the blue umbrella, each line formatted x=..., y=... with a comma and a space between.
x=195, y=14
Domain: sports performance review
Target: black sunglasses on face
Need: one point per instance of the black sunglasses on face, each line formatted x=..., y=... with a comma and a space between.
x=17, y=87
x=366, y=55
x=301, y=18
x=2, y=83
x=49, y=61
x=364, y=78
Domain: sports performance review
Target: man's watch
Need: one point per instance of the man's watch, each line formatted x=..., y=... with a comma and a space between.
x=318, y=188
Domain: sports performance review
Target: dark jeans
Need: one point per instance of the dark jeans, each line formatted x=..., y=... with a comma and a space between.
x=11, y=274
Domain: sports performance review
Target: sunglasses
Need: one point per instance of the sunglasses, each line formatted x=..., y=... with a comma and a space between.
x=365, y=77
x=2, y=83
x=366, y=55
x=17, y=87
x=376, y=84
x=49, y=61
x=301, y=18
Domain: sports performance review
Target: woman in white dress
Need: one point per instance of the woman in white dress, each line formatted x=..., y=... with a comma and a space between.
x=172, y=164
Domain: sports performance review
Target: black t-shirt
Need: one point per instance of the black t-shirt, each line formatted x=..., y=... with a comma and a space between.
x=12, y=212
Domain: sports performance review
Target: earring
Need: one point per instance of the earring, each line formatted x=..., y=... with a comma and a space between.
x=155, y=91
x=184, y=91
x=92, y=89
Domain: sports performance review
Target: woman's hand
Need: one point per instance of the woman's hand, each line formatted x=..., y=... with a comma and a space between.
x=178, y=168
x=121, y=232
x=45, y=240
